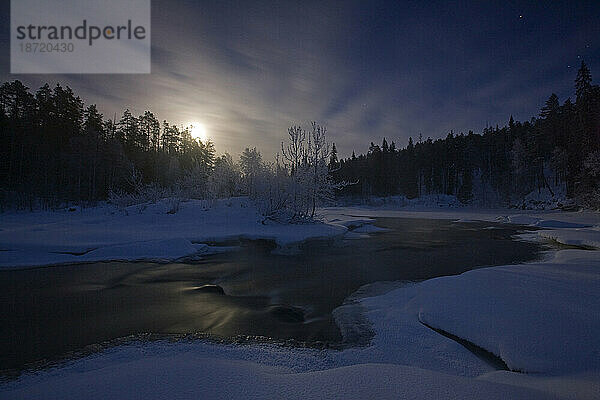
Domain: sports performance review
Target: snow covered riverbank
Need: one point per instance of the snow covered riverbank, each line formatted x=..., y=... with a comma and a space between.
x=151, y=233
x=541, y=319
x=568, y=228
x=140, y=233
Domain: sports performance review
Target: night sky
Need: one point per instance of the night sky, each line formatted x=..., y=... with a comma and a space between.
x=247, y=70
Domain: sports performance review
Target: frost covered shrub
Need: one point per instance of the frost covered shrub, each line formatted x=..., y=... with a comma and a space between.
x=152, y=193
x=121, y=199
x=145, y=195
x=173, y=205
x=291, y=188
x=193, y=184
x=589, y=188
x=270, y=192
x=138, y=193
x=225, y=179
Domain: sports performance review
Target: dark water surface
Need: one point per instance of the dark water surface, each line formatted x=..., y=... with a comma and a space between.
x=48, y=312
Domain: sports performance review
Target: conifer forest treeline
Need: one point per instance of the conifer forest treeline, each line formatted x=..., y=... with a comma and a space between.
x=55, y=149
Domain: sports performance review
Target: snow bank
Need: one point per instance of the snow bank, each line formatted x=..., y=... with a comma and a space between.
x=545, y=199
x=578, y=237
x=533, y=218
x=168, y=249
x=541, y=318
x=565, y=230
x=140, y=233
x=524, y=219
x=150, y=250
x=103, y=233
x=185, y=371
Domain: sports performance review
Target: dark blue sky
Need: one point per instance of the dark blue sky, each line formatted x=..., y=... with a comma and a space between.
x=367, y=69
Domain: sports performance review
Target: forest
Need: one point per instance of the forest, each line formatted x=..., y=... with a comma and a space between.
x=56, y=150
x=558, y=148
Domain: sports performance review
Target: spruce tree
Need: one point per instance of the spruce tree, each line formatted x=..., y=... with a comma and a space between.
x=333, y=159
x=551, y=107
x=583, y=81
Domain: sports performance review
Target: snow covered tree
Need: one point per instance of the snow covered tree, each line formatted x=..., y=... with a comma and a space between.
x=272, y=192
x=318, y=152
x=294, y=152
x=250, y=164
x=225, y=179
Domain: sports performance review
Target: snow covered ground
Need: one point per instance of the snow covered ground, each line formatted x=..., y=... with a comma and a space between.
x=181, y=373
x=140, y=233
x=541, y=319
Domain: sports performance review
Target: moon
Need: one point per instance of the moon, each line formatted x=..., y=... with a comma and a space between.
x=198, y=131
